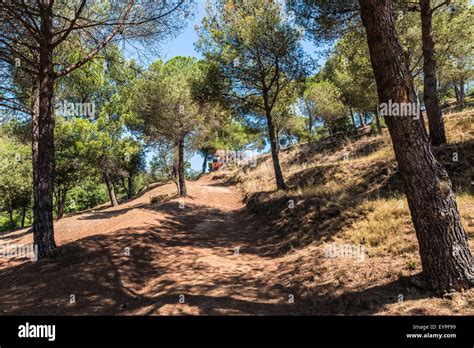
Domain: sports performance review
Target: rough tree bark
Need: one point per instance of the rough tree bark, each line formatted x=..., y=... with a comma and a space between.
x=430, y=97
x=34, y=137
x=362, y=119
x=461, y=94
x=310, y=117
x=353, y=118
x=23, y=216
x=181, y=172
x=459, y=90
x=280, y=181
x=125, y=187
x=277, y=141
x=377, y=119
x=60, y=201
x=204, y=163
x=43, y=142
x=61, y=206
x=12, y=221
x=456, y=91
x=445, y=256
x=128, y=186
x=110, y=189
x=130, y=191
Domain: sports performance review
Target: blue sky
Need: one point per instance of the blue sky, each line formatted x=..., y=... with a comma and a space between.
x=183, y=45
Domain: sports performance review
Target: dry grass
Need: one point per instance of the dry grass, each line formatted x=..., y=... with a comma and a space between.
x=386, y=229
x=460, y=127
x=162, y=198
x=352, y=194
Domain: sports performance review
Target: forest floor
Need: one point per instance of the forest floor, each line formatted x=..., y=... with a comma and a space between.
x=210, y=254
x=196, y=255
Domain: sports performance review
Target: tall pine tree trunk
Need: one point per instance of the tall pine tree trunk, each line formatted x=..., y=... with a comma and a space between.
x=461, y=93
x=181, y=172
x=130, y=191
x=445, y=256
x=204, y=163
x=377, y=119
x=34, y=138
x=353, y=118
x=435, y=119
x=110, y=189
x=12, y=221
x=61, y=196
x=62, y=204
x=43, y=142
x=280, y=181
x=23, y=216
x=456, y=91
x=362, y=119
x=277, y=141
x=125, y=187
x=310, y=117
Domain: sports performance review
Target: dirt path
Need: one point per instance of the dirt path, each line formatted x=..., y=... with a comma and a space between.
x=197, y=255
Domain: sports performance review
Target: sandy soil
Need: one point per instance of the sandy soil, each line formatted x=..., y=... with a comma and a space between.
x=185, y=256
x=202, y=255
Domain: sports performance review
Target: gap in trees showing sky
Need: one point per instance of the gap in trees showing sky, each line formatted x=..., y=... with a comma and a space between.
x=183, y=45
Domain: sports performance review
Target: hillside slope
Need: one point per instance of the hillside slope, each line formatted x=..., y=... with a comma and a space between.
x=339, y=242
x=176, y=256
x=345, y=201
